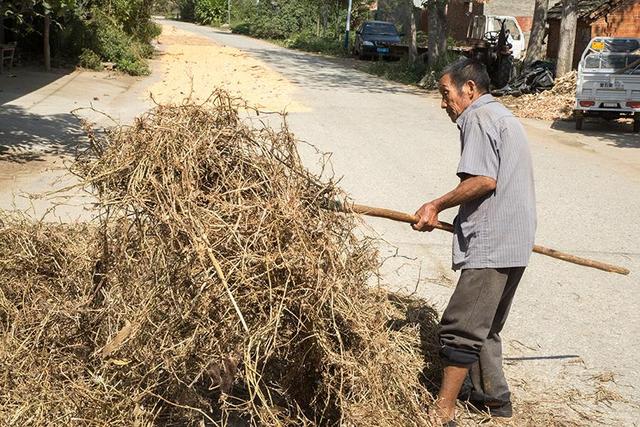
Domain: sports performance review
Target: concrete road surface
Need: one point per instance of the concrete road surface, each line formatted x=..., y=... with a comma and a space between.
x=574, y=333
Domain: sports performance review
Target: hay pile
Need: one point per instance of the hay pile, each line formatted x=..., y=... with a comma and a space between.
x=213, y=291
x=553, y=104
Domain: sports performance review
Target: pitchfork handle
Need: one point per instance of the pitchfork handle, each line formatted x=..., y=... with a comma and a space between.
x=413, y=219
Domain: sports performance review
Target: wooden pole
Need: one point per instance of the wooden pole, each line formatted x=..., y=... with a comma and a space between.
x=413, y=219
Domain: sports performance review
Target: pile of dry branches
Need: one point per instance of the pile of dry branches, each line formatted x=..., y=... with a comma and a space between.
x=554, y=104
x=213, y=290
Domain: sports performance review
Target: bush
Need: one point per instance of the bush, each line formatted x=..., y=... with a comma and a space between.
x=187, y=10
x=89, y=59
x=401, y=71
x=241, y=28
x=312, y=43
x=207, y=12
x=134, y=66
x=210, y=12
x=113, y=44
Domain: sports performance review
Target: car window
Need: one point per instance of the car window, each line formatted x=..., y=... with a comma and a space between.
x=380, y=29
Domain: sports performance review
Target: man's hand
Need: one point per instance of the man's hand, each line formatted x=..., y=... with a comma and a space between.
x=428, y=214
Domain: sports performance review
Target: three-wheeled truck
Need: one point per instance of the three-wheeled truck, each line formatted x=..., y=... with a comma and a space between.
x=609, y=80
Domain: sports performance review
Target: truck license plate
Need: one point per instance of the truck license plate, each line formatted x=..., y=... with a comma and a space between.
x=610, y=105
x=616, y=85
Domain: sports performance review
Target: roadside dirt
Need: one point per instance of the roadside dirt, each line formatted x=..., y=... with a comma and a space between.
x=192, y=67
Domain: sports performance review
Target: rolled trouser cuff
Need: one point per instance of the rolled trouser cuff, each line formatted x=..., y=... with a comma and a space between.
x=452, y=356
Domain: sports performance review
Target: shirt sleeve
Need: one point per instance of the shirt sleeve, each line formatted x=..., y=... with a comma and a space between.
x=479, y=152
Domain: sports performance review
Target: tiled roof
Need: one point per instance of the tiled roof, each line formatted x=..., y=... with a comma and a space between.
x=588, y=9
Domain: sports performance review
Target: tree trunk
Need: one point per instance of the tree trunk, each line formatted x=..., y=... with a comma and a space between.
x=535, y=49
x=1, y=29
x=437, y=37
x=413, y=39
x=47, y=47
x=568, y=28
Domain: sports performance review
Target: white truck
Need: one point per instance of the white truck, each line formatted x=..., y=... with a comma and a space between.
x=487, y=27
x=608, y=83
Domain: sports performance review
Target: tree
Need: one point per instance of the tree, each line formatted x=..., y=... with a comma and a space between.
x=437, y=36
x=413, y=40
x=568, y=28
x=49, y=10
x=535, y=49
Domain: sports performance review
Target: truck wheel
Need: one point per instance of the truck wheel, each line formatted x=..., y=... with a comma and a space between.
x=579, y=123
x=636, y=123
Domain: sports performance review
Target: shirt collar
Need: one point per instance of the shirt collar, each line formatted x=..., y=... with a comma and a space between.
x=482, y=100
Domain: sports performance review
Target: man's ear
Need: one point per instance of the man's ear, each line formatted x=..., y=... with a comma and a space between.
x=470, y=88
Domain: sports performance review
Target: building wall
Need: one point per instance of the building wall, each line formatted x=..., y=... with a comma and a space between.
x=459, y=16
x=583, y=36
x=622, y=22
x=510, y=7
x=525, y=23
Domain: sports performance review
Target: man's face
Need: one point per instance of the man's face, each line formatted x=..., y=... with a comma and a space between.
x=454, y=101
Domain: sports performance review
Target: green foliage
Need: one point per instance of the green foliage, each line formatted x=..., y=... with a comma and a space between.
x=133, y=65
x=207, y=12
x=310, y=42
x=287, y=19
x=400, y=71
x=113, y=44
x=187, y=10
x=134, y=16
x=89, y=59
x=210, y=12
x=241, y=28
x=117, y=31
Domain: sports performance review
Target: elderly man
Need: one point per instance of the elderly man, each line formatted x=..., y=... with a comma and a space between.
x=493, y=239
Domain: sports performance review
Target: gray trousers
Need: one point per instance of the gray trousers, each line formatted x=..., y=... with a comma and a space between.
x=470, y=330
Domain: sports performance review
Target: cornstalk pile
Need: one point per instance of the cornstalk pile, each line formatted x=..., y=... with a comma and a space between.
x=213, y=290
x=553, y=104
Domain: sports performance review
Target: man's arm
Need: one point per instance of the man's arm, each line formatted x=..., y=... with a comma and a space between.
x=471, y=187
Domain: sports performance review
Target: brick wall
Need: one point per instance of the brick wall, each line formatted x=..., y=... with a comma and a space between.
x=459, y=16
x=623, y=22
x=525, y=23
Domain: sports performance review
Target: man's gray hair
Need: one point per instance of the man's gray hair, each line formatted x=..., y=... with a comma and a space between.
x=466, y=69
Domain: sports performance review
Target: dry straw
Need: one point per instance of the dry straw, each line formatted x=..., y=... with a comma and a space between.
x=212, y=290
x=554, y=104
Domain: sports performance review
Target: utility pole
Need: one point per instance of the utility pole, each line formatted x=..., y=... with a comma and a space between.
x=229, y=12
x=346, y=33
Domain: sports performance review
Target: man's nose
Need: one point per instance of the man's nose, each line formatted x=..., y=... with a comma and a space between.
x=443, y=104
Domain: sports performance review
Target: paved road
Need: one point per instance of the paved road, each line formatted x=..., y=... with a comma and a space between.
x=570, y=327
x=394, y=147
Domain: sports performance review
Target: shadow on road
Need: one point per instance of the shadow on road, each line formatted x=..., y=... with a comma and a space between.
x=303, y=68
x=26, y=137
x=611, y=133
x=321, y=73
x=20, y=81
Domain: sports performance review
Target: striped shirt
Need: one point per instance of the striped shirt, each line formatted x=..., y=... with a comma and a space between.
x=496, y=230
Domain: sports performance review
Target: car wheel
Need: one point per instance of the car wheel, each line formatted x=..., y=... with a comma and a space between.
x=636, y=123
